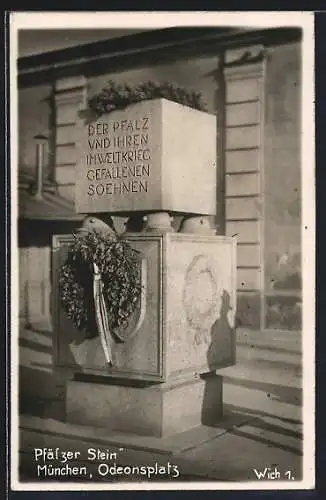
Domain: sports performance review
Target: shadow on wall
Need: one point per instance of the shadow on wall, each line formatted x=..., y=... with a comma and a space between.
x=221, y=349
x=41, y=393
x=38, y=233
x=41, y=390
x=222, y=335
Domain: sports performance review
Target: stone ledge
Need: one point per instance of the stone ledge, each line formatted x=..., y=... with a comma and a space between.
x=159, y=410
x=277, y=340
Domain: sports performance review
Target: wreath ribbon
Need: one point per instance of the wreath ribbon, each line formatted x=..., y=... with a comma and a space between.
x=102, y=315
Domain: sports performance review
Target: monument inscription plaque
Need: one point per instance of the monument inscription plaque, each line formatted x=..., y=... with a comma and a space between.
x=145, y=158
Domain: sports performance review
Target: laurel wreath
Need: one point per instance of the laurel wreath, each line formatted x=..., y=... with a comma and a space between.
x=118, y=96
x=119, y=265
x=196, y=319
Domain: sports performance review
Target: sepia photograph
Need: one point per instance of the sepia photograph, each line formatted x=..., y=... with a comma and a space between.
x=162, y=250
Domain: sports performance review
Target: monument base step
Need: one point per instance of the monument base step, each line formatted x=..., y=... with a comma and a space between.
x=156, y=410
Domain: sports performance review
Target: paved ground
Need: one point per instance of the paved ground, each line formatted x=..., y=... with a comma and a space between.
x=260, y=434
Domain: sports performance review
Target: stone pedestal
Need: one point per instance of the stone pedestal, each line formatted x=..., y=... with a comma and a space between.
x=155, y=160
x=155, y=410
x=185, y=321
x=163, y=379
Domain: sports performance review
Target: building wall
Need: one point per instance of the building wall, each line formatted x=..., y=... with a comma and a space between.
x=282, y=194
x=35, y=240
x=244, y=165
x=262, y=147
x=35, y=117
x=34, y=283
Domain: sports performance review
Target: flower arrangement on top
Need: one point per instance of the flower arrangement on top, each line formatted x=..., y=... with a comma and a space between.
x=118, y=96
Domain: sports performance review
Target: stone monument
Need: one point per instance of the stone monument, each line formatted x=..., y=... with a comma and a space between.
x=149, y=162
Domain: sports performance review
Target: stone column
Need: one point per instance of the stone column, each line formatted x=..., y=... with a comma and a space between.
x=70, y=96
x=244, y=73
